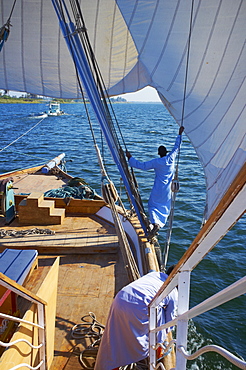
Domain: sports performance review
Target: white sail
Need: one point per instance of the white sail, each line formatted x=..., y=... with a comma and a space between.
x=140, y=43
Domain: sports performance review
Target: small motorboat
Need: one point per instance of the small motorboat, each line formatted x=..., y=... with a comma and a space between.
x=54, y=109
x=40, y=115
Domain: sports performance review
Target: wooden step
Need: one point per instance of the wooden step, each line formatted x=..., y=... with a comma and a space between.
x=59, y=214
x=34, y=199
x=34, y=210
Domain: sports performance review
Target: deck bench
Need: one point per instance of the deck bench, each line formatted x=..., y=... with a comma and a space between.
x=17, y=265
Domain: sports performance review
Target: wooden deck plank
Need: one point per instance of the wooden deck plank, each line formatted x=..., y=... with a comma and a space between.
x=37, y=182
x=80, y=234
x=92, y=291
x=89, y=276
x=86, y=282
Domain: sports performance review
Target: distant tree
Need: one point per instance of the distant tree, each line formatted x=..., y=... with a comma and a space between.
x=33, y=96
x=119, y=99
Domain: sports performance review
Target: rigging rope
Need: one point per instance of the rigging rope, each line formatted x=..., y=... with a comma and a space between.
x=22, y=135
x=30, y=155
x=175, y=182
x=94, y=85
x=129, y=260
x=76, y=36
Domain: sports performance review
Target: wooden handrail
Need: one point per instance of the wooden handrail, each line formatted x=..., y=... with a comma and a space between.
x=235, y=188
x=19, y=289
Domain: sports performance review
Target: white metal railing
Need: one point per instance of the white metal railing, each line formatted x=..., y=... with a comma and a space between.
x=229, y=293
x=9, y=344
x=7, y=283
x=17, y=319
x=28, y=366
x=230, y=209
x=213, y=348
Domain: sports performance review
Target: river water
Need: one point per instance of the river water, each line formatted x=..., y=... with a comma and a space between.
x=144, y=127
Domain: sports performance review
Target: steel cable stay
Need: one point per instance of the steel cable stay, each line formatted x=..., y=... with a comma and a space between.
x=80, y=25
x=175, y=181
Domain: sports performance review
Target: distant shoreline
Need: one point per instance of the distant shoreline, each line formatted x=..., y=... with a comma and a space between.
x=11, y=100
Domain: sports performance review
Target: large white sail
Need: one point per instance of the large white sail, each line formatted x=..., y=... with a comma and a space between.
x=140, y=43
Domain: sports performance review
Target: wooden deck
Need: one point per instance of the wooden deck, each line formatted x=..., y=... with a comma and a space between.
x=28, y=183
x=91, y=269
x=86, y=284
x=91, y=272
x=77, y=234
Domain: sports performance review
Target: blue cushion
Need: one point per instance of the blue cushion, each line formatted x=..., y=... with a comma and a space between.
x=16, y=263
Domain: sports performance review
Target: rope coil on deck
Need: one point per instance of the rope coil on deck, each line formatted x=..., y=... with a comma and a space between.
x=20, y=233
x=93, y=330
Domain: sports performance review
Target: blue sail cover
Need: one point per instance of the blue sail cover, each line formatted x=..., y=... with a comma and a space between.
x=140, y=43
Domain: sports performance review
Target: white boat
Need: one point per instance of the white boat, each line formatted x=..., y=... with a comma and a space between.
x=193, y=54
x=54, y=109
x=41, y=115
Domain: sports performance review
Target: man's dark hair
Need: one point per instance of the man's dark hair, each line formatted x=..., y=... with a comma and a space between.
x=162, y=151
x=170, y=269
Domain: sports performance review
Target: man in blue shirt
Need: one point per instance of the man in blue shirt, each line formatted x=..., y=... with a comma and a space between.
x=160, y=198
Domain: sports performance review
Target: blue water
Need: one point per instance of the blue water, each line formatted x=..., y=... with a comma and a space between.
x=144, y=127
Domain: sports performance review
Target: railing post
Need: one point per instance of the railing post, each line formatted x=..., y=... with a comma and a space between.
x=41, y=336
x=182, y=325
x=152, y=337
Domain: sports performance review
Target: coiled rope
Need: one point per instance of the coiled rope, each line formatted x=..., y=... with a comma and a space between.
x=20, y=233
x=93, y=330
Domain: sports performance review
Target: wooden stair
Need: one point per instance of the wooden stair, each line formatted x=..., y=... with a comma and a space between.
x=34, y=210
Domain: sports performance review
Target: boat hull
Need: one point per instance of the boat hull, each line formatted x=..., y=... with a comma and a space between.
x=92, y=267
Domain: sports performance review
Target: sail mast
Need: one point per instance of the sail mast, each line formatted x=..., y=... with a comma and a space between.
x=81, y=60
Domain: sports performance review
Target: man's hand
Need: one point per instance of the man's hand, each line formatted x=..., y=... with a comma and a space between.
x=128, y=154
x=181, y=129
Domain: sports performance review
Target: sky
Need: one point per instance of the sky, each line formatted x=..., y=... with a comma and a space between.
x=148, y=94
